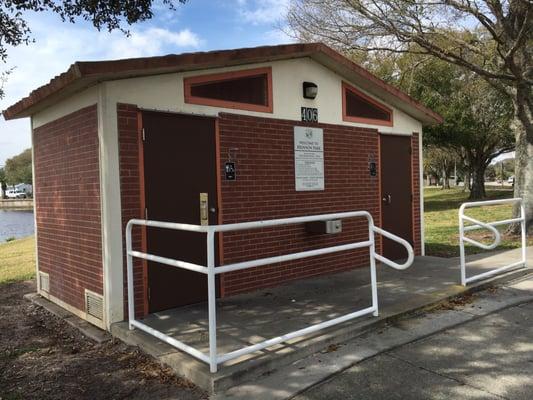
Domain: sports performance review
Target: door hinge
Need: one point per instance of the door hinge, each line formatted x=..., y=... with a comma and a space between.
x=149, y=293
x=146, y=213
x=144, y=135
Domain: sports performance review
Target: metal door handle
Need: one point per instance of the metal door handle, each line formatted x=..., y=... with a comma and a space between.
x=212, y=210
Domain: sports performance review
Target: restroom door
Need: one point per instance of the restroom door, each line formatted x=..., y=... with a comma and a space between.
x=396, y=193
x=179, y=164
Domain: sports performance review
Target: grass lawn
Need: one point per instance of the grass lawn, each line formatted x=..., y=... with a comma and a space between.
x=17, y=260
x=441, y=217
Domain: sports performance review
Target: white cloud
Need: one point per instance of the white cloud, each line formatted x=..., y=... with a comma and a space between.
x=259, y=12
x=57, y=45
x=151, y=42
x=278, y=36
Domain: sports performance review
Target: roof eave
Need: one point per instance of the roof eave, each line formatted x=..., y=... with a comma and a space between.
x=85, y=74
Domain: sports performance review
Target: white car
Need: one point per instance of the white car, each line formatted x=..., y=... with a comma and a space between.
x=510, y=180
x=16, y=194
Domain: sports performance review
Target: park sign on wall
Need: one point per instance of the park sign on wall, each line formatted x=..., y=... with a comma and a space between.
x=308, y=158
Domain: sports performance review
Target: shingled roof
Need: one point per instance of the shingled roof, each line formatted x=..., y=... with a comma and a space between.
x=83, y=74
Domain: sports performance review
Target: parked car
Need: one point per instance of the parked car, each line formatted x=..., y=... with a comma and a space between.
x=16, y=194
x=510, y=180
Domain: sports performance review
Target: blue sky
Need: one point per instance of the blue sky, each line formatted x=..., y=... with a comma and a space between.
x=198, y=25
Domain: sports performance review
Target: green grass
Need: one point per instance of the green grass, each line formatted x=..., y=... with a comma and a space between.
x=17, y=260
x=441, y=218
x=17, y=257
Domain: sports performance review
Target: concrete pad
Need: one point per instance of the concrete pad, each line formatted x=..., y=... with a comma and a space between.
x=250, y=318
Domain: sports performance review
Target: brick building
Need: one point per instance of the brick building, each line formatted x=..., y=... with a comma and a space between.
x=149, y=137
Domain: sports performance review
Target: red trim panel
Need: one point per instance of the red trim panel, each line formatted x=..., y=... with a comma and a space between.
x=190, y=81
x=371, y=121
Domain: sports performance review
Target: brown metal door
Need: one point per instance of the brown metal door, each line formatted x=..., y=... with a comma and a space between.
x=179, y=164
x=396, y=193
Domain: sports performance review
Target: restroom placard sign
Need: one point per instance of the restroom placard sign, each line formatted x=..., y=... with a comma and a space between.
x=308, y=158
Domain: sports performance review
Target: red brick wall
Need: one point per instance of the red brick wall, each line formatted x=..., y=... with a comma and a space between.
x=130, y=195
x=265, y=189
x=415, y=159
x=67, y=193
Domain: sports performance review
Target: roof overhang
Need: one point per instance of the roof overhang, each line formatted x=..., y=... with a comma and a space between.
x=82, y=75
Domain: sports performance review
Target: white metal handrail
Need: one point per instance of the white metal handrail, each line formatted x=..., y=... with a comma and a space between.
x=213, y=358
x=491, y=226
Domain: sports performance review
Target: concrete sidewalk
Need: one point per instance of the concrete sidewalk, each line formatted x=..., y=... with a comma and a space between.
x=490, y=356
x=254, y=317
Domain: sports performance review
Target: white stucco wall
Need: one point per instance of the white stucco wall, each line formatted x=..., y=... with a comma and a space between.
x=165, y=92
x=85, y=98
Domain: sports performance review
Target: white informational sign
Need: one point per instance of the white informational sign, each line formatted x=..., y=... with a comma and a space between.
x=308, y=158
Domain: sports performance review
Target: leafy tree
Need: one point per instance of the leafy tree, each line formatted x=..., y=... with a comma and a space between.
x=490, y=38
x=18, y=169
x=501, y=170
x=3, y=183
x=110, y=15
x=3, y=79
x=477, y=118
x=440, y=162
x=478, y=128
x=504, y=169
x=491, y=172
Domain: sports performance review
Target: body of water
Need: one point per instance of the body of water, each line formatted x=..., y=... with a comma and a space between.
x=15, y=224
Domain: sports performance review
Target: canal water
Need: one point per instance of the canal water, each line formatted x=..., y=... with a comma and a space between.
x=15, y=224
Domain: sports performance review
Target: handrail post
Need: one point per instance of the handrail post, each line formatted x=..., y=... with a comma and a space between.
x=211, y=301
x=462, y=247
x=213, y=358
x=523, y=232
x=129, y=272
x=497, y=237
x=373, y=277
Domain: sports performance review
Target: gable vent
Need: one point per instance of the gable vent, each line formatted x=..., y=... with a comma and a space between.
x=94, y=305
x=44, y=282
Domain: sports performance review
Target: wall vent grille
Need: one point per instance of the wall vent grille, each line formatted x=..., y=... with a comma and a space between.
x=44, y=282
x=94, y=305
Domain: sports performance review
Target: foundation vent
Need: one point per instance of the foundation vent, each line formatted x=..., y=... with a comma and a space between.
x=94, y=305
x=44, y=282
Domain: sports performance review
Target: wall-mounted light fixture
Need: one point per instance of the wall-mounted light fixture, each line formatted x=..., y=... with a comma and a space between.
x=310, y=90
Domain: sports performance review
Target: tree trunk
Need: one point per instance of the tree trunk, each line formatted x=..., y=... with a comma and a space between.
x=524, y=182
x=446, y=182
x=477, y=192
x=523, y=185
x=466, y=183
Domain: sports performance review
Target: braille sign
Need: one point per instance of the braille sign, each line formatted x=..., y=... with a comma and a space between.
x=229, y=169
x=372, y=168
